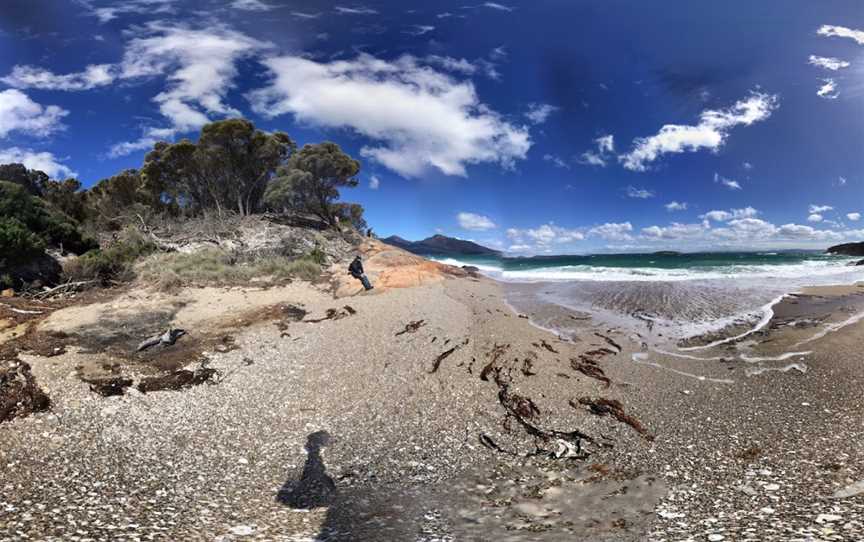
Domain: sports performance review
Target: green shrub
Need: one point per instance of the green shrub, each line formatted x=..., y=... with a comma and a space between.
x=169, y=271
x=17, y=243
x=53, y=229
x=112, y=263
x=317, y=255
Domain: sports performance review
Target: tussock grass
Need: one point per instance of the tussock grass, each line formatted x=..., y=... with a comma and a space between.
x=208, y=267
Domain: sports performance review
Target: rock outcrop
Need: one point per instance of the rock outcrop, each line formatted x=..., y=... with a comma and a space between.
x=390, y=267
x=847, y=249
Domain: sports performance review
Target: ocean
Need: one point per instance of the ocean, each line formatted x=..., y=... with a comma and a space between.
x=681, y=295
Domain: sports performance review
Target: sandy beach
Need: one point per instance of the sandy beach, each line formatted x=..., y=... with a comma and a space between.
x=435, y=412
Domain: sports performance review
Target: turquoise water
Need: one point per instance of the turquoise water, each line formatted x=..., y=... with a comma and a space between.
x=660, y=267
x=682, y=294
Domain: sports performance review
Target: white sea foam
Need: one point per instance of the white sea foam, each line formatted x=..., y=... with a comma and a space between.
x=813, y=269
x=767, y=313
x=831, y=328
x=800, y=367
x=642, y=359
x=781, y=357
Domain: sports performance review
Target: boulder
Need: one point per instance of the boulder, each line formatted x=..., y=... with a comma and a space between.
x=390, y=267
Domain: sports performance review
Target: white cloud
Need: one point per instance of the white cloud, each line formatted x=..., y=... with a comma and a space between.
x=18, y=113
x=374, y=182
x=723, y=216
x=639, y=193
x=557, y=161
x=95, y=75
x=519, y=248
x=819, y=208
x=543, y=236
x=475, y=222
x=829, y=63
x=674, y=231
x=606, y=143
x=676, y=206
x=43, y=161
x=419, y=29
x=710, y=133
x=605, y=146
x=200, y=66
x=854, y=217
x=496, y=5
x=356, y=10
x=538, y=113
x=612, y=231
x=121, y=7
x=731, y=184
x=747, y=165
x=305, y=15
x=828, y=90
x=448, y=63
x=841, y=181
x=251, y=5
x=421, y=118
x=842, y=32
x=814, y=217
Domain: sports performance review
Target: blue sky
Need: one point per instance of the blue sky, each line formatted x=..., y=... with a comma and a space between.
x=533, y=127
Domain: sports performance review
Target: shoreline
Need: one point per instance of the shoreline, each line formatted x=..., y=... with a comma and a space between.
x=414, y=430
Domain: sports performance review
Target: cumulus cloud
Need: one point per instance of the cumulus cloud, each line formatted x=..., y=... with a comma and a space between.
x=605, y=147
x=710, y=133
x=612, y=231
x=819, y=208
x=731, y=184
x=374, y=182
x=723, y=216
x=842, y=32
x=829, y=63
x=475, y=222
x=676, y=206
x=95, y=75
x=542, y=236
x=421, y=118
x=18, y=113
x=43, y=161
x=674, y=231
x=638, y=193
x=200, y=65
x=538, y=113
x=854, y=217
x=828, y=90
x=815, y=217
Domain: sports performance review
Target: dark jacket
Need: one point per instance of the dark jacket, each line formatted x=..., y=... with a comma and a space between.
x=356, y=268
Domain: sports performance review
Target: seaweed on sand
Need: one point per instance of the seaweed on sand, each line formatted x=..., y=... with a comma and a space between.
x=614, y=408
x=20, y=396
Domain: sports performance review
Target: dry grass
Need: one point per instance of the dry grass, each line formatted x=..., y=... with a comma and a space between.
x=209, y=267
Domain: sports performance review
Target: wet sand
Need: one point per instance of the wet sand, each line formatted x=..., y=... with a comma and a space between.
x=471, y=424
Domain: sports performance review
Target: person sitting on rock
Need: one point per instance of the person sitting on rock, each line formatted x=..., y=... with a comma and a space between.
x=356, y=271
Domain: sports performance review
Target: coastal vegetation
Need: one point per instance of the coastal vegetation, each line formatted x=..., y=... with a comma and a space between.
x=234, y=171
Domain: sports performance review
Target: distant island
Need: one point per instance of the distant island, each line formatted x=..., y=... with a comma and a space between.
x=440, y=244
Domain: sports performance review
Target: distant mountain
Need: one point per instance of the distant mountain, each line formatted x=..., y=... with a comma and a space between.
x=440, y=244
x=847, y=249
